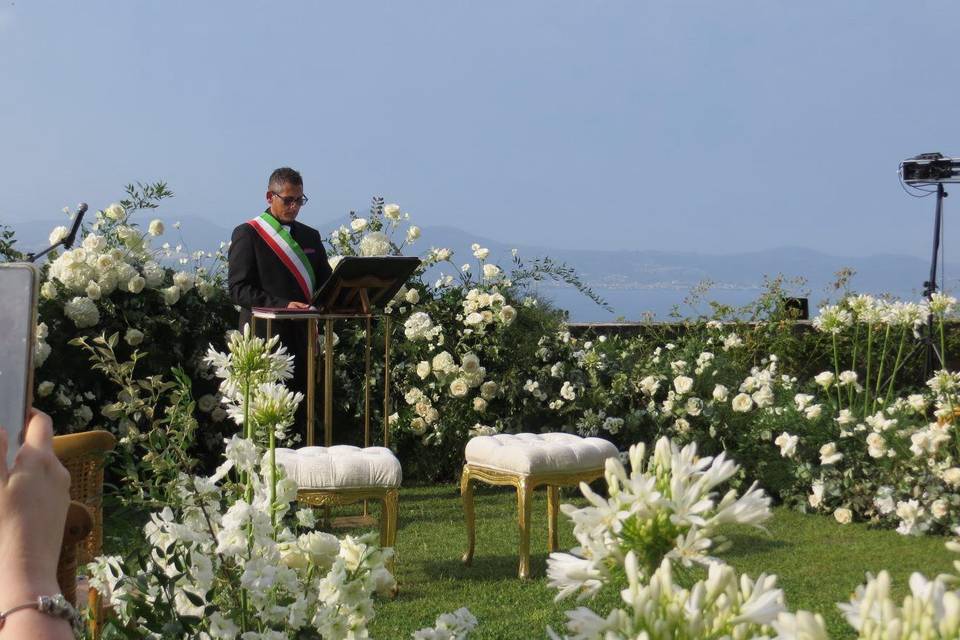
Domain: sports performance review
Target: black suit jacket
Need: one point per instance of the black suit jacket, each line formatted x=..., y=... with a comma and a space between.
x=257, y=277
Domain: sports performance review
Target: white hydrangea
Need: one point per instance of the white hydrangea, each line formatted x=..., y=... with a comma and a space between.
x=82, y=311
x=375, y=243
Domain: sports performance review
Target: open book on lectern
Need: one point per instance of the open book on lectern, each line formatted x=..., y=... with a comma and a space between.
x=360, y=285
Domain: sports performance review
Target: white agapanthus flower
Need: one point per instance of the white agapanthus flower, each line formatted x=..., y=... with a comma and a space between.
x=671, y=502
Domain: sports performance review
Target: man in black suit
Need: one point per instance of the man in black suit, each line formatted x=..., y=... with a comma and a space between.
x=275, y=261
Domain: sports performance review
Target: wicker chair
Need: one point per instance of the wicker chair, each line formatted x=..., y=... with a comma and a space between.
x=83, y=455
x=78, y=526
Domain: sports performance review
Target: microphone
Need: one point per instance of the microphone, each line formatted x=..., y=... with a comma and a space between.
x=68, y=241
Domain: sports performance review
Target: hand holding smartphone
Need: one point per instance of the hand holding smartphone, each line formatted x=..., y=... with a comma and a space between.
x=18, y=324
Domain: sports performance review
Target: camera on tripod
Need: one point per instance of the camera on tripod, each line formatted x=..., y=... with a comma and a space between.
x=930, y=168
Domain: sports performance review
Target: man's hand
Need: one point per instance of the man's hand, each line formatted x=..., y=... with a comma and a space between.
x=298, y=305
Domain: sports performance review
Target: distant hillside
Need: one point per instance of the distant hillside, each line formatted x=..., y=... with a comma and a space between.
x=632, y=282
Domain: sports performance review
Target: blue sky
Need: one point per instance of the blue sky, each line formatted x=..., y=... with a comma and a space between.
x=705, y=125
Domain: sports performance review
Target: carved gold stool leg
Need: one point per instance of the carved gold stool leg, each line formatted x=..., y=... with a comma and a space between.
x=388, y=519
x=466, y=491
x=524, y=498
x=553, y=506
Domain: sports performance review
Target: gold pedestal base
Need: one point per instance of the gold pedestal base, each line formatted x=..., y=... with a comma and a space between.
x=525, y=484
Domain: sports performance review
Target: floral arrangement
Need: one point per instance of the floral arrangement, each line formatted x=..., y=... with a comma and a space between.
x=224, y=558
x=162, y=301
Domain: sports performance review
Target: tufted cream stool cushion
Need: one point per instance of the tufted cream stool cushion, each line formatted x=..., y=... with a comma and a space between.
x=341, y=467
x=537, y=453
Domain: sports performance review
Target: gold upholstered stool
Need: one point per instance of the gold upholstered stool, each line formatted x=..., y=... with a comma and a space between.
x=526, y=461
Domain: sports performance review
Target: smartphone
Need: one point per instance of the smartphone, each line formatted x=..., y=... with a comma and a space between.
x=18, y=328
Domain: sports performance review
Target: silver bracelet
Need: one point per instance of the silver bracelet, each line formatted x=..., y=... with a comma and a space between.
x=56, y=606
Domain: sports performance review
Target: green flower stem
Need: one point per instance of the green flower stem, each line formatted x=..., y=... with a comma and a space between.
x=836, y=367
x=866, y=380
x=853, y=359
x=943, y=346
x=273, y=481
x=883, y=357
x=896, y=365
x=248, y=494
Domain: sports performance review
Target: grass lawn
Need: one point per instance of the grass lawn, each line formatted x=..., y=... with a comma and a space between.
x=818, y=561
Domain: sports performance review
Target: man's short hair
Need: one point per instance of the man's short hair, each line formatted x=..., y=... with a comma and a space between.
x=284, y=175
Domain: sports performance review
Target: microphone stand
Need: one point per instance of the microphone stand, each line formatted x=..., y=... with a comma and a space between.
x=930, y=287
x=68, y=240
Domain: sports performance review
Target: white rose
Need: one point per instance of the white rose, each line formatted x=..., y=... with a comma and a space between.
x=206, y=403
x=763, y=396
x=481, y=253
x=479, y=404
x=171, y=295
x=418, y=426
x=507, y=314
x=115, y=211
x=156, y=227
x=358, y=224
x=787, y=444
x=48, y=290
x=490, y=271
x=694, y=406
x=843, y=515
x=58, y=234
x=683, y=384
x=829, y=454
x=412, y=296
x=153, y=274
x=649, y=385
x=824, y=379
x=413, y=233
x=939, y=509
x=423, y=369
x=93, y=290
x=813, y=412
x=720, y=393
x=133, y=337
x=848, y=377
x=488, y=390
x=470, y=363
x=183, y=280
x=136, y=284
x=459, y=388
x=951, y=476
x=742, y=403
x=816, y=498
x=45, y=388
x=391, y=212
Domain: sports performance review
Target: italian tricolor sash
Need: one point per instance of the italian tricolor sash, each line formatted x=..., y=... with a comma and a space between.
x=287, y=250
